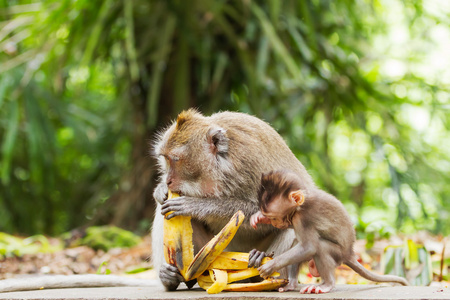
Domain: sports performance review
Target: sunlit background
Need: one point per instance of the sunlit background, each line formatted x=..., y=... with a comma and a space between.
x=359, y=90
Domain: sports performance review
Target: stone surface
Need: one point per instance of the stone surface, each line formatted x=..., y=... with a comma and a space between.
x=353, y=292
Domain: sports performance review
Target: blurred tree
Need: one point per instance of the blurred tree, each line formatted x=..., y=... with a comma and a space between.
x=84, y=85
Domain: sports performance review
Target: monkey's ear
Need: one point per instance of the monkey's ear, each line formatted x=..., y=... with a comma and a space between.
x=297, y=196
x=182, y=118
x=186, y=115
x=218, y=140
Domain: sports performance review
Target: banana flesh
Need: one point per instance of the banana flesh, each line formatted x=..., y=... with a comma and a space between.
x=214, y=269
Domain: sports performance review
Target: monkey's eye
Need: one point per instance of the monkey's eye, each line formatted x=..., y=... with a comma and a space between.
x=170, y=158
x=166, y=158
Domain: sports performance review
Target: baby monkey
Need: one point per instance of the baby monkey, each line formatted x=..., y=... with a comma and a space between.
x=322, y=226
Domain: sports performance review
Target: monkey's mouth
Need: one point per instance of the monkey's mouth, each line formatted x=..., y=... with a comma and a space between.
x=178, y=192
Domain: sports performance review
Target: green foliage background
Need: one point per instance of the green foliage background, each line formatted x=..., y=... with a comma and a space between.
x=359, y=89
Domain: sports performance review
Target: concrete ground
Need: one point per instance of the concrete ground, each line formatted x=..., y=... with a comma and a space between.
x=354, y=292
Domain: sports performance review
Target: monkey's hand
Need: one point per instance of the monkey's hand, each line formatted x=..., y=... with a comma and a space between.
x=160, y=193
x=257, y=218
x=255, y=258
x=170, y=276
x=178, y=206
x=267, y=269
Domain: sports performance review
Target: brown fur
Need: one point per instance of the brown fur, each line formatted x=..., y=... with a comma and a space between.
x=216, y=163
x=322, y=227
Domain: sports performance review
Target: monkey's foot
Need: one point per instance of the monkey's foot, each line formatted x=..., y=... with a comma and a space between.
x=170, y=276
x=316, y=289
x=286, y=288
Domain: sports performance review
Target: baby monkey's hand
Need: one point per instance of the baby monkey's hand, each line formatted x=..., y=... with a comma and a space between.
x=267, y=269
x=255, y=258
x=257, y=218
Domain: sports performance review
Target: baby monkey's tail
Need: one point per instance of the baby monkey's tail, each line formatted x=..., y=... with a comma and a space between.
x=358, y=268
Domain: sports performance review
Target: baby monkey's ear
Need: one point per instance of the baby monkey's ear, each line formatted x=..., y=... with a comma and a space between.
x=297, y=196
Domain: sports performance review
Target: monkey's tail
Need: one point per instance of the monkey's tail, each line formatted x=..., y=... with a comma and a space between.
x=358, y=268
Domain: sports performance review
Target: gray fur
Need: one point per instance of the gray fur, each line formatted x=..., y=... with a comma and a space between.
x=326, y=234
x=228, y=171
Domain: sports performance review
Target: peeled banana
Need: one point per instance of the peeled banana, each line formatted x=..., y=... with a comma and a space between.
x=222, y=268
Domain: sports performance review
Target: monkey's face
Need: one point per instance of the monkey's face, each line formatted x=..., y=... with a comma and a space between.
x=182, y=172
x=280, y=212
x=192, y=156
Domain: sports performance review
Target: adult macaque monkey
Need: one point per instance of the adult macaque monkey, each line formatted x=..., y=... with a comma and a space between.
x=321, y=224
x=215, y=163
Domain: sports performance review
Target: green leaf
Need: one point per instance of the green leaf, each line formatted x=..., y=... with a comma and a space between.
x=130, y=41
x=219, y=69
x=277, y=44
x=411, y=255
x=159, y=67
x=3, y=87
x=107, y=237
x=137, y=270
x=99, y=270
x=94, y=36
x=9, y=141
x=411, y=261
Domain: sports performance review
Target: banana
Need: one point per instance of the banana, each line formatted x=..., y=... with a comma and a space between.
x=233, y=261
x=223, y=267
x=178, y=247
x=236, y=275
x=214, y=247
x=212, y=286
x=220, y=279
x=205, y=281
x=215, y=281
x=230, y=261
x=265, y=285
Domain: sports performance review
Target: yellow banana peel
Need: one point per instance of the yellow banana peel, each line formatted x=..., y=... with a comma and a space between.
x=265, y=285
x=233, y=261
x=178, y=246
x=235, y=272
x=210, y=284
x=223, y=267
x=220, y=280
x=237, y=275
x=230, y=261
x=214, y=247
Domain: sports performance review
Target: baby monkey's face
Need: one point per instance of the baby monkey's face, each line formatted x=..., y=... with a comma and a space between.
x=280, y=212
